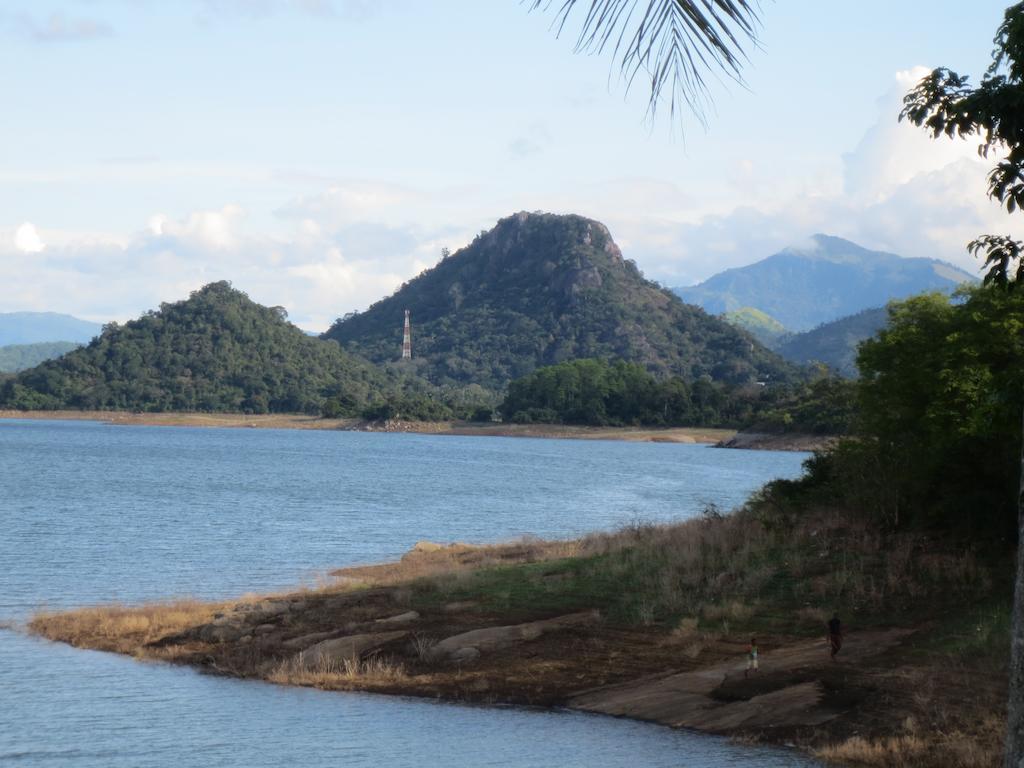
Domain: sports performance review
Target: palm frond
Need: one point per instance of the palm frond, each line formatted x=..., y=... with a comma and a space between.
x=674, y=44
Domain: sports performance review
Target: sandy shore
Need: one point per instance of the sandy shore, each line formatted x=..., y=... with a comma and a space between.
x=299, y=421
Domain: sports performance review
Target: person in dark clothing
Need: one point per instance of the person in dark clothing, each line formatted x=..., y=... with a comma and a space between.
x=835, y=635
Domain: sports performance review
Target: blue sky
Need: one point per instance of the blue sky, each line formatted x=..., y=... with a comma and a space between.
x=319, y=152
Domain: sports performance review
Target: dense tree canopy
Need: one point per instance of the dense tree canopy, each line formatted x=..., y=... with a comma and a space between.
x=938, y=419
x=598, y=392
x=941, y=393
x=216, y=351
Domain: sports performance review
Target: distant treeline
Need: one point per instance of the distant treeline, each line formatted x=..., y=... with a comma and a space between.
x=605, y=393
x=216, y=351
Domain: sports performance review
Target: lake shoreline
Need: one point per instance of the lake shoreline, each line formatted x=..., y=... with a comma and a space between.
x=409, y=628
x=460, y=428
x=723, y=438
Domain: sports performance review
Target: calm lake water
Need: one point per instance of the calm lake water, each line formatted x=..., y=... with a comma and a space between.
x=92, y=513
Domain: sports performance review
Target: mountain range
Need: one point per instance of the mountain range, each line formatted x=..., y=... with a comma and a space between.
x=803, y=287
x=537, y=289
x=35, y=327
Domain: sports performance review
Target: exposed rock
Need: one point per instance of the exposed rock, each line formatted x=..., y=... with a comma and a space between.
x=687, y=700
x=270, y=640
x=495, y=638
x=401, y=618
x=223, y=630
x=305, y=641
x=342, y=649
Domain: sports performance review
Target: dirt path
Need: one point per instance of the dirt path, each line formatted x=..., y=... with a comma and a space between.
x=695, y=699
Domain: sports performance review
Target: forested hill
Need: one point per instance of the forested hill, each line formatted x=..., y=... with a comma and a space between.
x=18, y=357
x=835, y=343
x=539, y=289
x=216, y=351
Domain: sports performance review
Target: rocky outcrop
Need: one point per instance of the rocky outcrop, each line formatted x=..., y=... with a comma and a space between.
x=334, y=653
x=688, y=699
x=470, y=645
x=403, y=618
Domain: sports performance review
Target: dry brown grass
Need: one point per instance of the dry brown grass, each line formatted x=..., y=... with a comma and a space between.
x=121, y=628
x=429, y=560
x=976, y=749
x=329, y=674
x=687, y=635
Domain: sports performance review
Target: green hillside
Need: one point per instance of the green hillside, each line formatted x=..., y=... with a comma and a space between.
x=835, y=343
x=216, y=351
x=758, y=324
x=20, y=357
x=539, y=289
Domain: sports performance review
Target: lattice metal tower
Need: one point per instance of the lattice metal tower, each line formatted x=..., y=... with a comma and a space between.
x=407, y=339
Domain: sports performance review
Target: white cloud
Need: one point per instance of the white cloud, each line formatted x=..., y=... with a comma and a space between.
x=317, y=271
x=898, y=190
x=216, y=230
x=351, y=201
x=27, y=240
x=892, y=153
x=356, y=240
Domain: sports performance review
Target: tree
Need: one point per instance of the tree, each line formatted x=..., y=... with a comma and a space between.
x=945, y=104
x=939, y=399
x=675, y=44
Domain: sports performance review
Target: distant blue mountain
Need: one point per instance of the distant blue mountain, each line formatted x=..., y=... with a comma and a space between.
x=34, y=327
x=805, y=287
